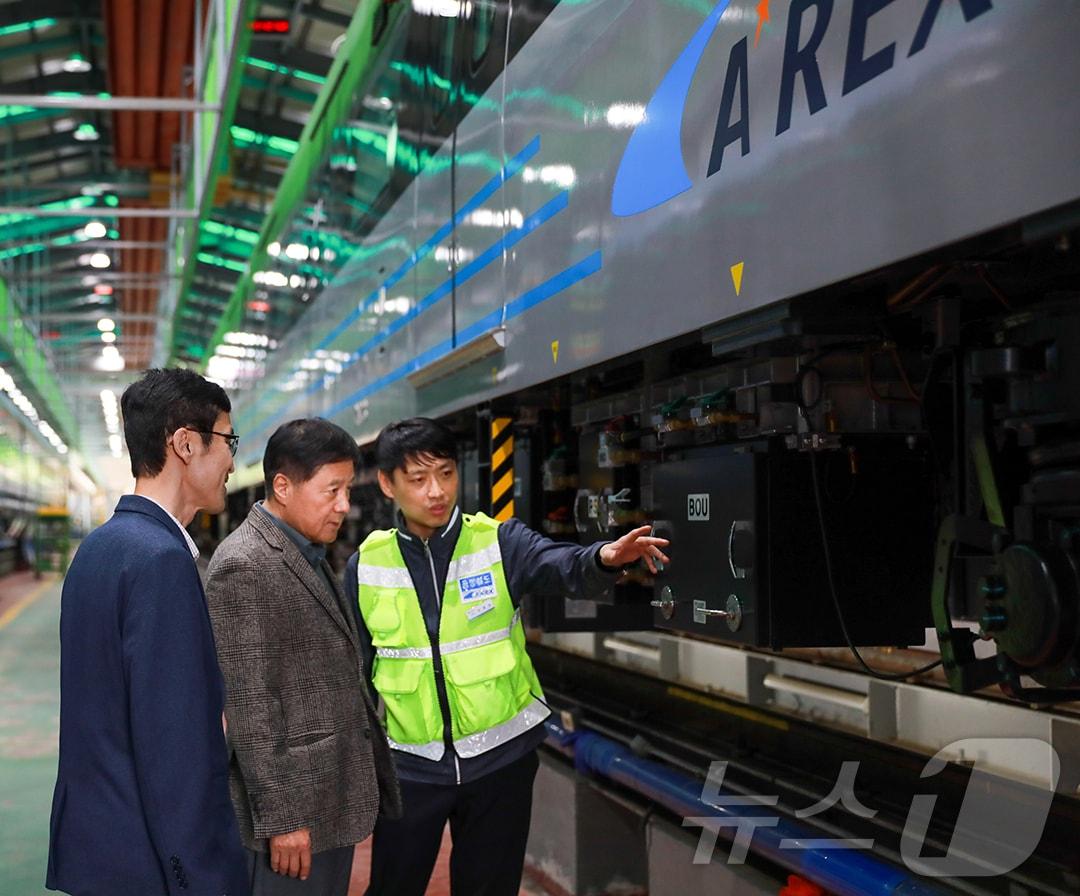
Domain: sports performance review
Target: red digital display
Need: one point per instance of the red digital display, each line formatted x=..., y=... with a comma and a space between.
x=270, y=26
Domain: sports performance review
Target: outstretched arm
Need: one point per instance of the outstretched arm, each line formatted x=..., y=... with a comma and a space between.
x=540, y=566
x=633, y=546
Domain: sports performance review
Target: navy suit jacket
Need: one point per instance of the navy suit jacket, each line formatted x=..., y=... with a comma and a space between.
x=141, y=805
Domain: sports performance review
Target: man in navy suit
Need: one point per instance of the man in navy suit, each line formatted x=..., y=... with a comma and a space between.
x=141, y=805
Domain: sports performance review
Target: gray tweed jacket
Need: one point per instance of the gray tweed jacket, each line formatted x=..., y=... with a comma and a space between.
x=306, y=746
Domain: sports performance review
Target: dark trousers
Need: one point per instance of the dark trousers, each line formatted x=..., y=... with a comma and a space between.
x=330, y=872
x=489, y=825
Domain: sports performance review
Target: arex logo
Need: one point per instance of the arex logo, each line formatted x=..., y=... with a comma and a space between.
x=652, y=169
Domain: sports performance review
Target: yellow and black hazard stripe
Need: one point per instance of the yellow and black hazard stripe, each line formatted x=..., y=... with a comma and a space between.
x=502, y=468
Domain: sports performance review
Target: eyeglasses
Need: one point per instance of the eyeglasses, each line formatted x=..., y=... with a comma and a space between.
x=231, y=437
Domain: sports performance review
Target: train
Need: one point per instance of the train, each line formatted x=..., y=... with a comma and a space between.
x=795, y=282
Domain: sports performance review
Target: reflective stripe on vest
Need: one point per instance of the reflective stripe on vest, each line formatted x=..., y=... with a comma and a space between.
x=383, y=576
x=491, y=686
x=471, y=564
x=475, y=744
x=433, y=751
x=454, y=646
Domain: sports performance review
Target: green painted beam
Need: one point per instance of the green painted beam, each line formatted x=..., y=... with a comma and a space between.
x=18, y=341
x=215, y=133
x=297, y=73
x=353, y=64
x=22, y=27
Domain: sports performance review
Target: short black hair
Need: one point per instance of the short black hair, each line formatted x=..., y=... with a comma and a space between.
x=161, y=402
x=415, y=437
x=298, y=448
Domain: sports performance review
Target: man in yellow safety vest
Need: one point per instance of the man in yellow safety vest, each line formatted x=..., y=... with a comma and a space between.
x=438, y=609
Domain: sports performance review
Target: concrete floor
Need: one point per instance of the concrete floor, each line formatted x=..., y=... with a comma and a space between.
x=29, y=725
x=29, y=722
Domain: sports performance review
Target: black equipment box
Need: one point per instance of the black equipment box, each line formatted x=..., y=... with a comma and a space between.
x=748, y=563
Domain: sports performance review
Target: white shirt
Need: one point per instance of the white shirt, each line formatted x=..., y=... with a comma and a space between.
x=190, y=541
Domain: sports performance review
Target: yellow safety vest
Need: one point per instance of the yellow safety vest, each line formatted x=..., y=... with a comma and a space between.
x=491, y=685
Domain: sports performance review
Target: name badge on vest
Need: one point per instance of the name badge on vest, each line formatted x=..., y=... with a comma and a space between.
x=476, y=588
x=474, y=610
x=477, y=594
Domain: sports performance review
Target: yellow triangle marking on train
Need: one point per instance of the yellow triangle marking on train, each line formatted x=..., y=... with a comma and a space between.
x=555, y=352
x=736, y=276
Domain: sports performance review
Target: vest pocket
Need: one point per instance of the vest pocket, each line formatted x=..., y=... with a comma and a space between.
x=383, y=616
x=409, y=697
x=484, y=687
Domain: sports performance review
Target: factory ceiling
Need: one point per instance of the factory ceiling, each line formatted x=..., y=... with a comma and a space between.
x=162, y=176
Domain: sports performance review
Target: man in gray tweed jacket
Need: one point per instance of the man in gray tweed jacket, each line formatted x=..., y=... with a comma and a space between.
x=310, y=768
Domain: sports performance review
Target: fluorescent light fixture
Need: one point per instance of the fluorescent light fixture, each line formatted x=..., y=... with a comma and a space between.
x=449, y=9
x=106, y=324
x=256, y=340
x=95, y=230
x=76, y=64
x=108, y=337
x=100, y=260
x=483, y=346
x=110, y=360
x=270, y=278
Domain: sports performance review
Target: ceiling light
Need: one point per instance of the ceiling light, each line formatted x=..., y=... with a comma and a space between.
x=270, y=278
x=76, y=64
x=297, y=251
x=274, y=249
x=109, y=337
x=110, y=360
x=100, y=260
x=448, y=8
x=86, y=132
x=95, y=230
x=106, y=324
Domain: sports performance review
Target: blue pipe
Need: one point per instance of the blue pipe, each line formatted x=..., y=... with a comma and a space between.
x=843, y=872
